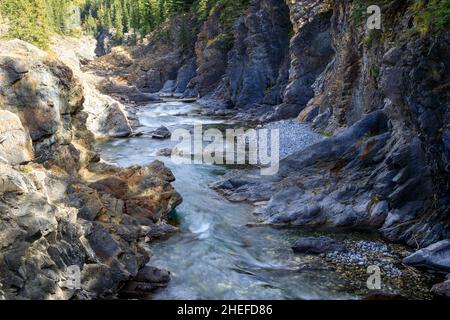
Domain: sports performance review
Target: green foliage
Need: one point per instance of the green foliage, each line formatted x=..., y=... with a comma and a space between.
x=374, y=71
x=35, y=20
x=28, y=20
x=431, y=16
x=145, y=16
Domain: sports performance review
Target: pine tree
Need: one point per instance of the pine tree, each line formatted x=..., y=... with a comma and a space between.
x=118, y=21
x=28, y=20
x=126, y=16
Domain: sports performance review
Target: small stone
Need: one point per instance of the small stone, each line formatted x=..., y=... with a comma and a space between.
x=317, y=245
x=167, y=152
x=161, y=133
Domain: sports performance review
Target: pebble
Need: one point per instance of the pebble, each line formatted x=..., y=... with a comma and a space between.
x=365, y=253
x=294, y=136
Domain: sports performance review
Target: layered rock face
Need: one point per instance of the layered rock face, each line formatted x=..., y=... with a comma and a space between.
x=106, y=117
x=385, y=97
x=164, y=58
x=45, y=96
x=381, y=94
x=70, y=227
x=257, y=65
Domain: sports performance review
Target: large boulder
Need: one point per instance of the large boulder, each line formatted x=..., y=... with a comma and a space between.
x=15, y=142
x=435, y=257
x=442, y=289
x=106, y=117
x=47, y=98
x=318, y=245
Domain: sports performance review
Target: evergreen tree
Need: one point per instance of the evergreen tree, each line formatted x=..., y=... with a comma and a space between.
x=126, y=16
x=28, y=20
x=118, y=21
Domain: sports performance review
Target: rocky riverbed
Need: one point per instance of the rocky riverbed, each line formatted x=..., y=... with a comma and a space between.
x=209, y=227
x=377, y=161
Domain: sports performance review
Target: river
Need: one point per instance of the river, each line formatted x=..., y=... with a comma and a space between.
x=215, y=255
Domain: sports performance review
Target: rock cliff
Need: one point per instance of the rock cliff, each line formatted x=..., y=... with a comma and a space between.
x=381, y=94
x=71, y=227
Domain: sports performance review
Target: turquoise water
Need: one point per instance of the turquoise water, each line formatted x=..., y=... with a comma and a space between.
x=215, y=255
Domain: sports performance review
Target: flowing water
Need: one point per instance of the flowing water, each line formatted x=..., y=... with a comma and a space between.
x=215, y=255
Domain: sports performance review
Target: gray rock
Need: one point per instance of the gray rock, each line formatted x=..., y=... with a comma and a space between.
x=161, y=133
x=168, y=87
x=115, y=123
x=435, y=257
x=103, y=244
x=167, y=152
x=259, y=54
x=186, y=73
x=313, y=44
x=152, y=275
x=317, y=246
x=442, y=289
x=105, y=42
x=392, y=56
x=379, y=213
x=15, y=145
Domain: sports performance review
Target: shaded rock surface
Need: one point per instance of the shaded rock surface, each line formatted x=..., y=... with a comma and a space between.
x=161, y=133
x=15, y=142
x=71, y=227
x=317, y=245
x=434, y=257
x=385, y=165
x=442, y=289
x=106, y=117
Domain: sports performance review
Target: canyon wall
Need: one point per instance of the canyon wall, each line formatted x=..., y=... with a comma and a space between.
x=384, y=99
x=381, y=96
x=71, y=227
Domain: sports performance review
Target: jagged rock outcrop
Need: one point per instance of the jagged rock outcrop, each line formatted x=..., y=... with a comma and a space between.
x=15, y=142
x=435, y=257
x=381, y=94
x=166, y=54
x=70, y=227
x=106, y=116
x=311, y=51
x=269, y=75
x=210, y=56
x=44, y=94
x=258, y=65
x=386, y=169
